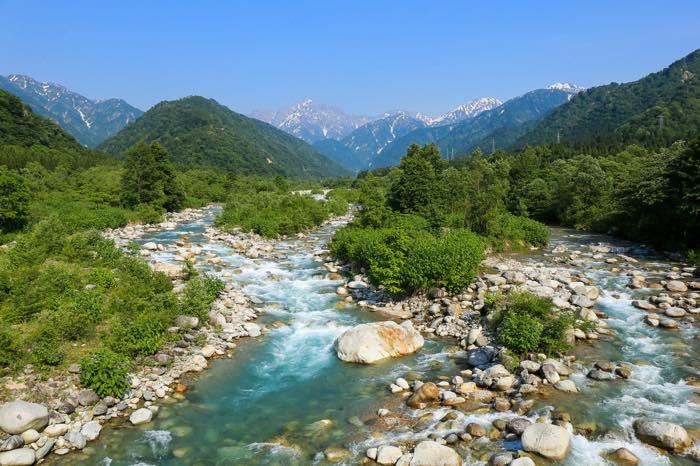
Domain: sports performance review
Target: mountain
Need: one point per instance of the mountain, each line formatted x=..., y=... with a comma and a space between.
x=466, y=111
x=89, y=121
x=653, y=111
x=312, y=121
x=510, y=120
x=200, y=131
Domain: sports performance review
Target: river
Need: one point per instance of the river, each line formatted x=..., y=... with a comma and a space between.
x=285, y=397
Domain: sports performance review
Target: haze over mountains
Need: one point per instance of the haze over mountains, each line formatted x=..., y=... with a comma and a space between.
x=89, y=121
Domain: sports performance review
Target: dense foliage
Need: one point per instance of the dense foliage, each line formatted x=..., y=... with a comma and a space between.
x=149, y=178
x=106, y=372
x=270, y=209
x=526, y=323
x=654, y=111
x=200, y=132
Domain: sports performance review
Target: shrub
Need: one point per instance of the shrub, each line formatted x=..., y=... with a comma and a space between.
x=46, y=347
x=140, y=336
x=505, y=226
x=198, y=295
x=106, y=372
x=10, y=349
x=520, y=332
x=554, y=335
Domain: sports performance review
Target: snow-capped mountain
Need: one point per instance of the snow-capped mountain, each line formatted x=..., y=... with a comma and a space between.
x=567, y=87
x=312, y=121
x=89, y=121
x=465, y=111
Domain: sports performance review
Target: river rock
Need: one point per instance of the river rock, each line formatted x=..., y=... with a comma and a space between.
x=524, y=461
x=481, y=356
x=336, y=454
x=567, y=386
x=662, y=434
x=676, y=286
x=141, y=416
x=388, y=454
x=12, y=442
x=87, y=397
x=429, y=453
x=426, y=393
x=91, y=430
x=548, y=440
x=676, y=312
x=56, y=430
x=30, y=436
x=252, y=329
x=518, y=425
x=185, y=321
x=597, y=374
x=18, y=416
x=643, y=305
x=550, y=373
x=623, y=456
x=372, y=342
x=18, y=457
x=76, y=439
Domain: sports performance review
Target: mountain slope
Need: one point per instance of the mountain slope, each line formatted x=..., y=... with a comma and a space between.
x=200, y=131
x=467, y=110
x=654, y=111
x=89, y=121
x=459, y=139
x=312, y=121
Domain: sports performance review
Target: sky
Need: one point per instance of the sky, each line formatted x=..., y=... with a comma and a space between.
x=365, y=57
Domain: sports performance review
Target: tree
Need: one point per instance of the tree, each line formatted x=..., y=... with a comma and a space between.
x=14, y=200
x=418, y=189
x=149, y=178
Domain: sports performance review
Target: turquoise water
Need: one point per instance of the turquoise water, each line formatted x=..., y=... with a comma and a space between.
x=262, y=406
x=276, y=385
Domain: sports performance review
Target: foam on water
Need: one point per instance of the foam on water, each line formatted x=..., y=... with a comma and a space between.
x=592, y=452
x=159, y=441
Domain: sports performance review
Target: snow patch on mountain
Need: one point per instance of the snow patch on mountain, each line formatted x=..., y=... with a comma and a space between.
x=467, y=110
x=567, y=87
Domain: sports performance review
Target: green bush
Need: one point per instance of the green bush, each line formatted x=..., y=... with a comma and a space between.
x=520, y=332
x=106, y=372
x=141, y=335
x=526, y=323
x=10, y=349
x=198, y=295
x=46, y=347
x=405, y=260
x=505, y=226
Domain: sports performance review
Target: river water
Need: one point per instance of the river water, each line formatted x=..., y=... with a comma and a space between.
x=285, y=397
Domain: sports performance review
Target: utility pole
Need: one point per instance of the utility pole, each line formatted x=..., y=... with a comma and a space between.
x=493, y=145
x=558, y=137
x=661, y=122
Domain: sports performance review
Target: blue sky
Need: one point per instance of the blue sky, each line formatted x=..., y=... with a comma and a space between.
x=362, y=56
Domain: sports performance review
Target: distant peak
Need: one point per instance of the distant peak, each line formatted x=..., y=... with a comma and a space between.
x=567, y=87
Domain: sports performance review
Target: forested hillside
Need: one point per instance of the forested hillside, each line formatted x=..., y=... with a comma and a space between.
x=654, y=111
x=199, y=131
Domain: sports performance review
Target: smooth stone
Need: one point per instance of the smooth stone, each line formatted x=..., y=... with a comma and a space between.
x=87, y=397
x=372, y=342
x=12, y=442
x=524, y=461
x=30, y=436
x=76, y=439
x=662, y=434
x=548, y=440
x=336, y=454
x=18, y=416
x=426, y=393
x=91, y=430
x=623, y=456
x=567, y=386
x=141, y=416
x=388, y=454
x=676, y=286
x=430, y=453
x=18, y=457
x=56, y=430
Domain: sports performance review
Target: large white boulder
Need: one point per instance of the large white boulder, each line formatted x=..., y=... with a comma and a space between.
x=141, y=416
x=18, y=416
x=662, y=434
x=369, y=343
x=548, y=440
x=429, y=453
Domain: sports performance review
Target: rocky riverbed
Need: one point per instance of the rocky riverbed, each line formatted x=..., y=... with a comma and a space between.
x=624, y=396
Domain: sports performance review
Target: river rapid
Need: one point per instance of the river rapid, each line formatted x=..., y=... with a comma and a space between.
x=284, y=398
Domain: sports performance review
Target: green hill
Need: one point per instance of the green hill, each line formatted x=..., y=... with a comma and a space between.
x=27, y=137
x=199, y=131
x=654, y=111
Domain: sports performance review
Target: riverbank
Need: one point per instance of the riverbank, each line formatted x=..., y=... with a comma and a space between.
x=59, y=416
x=507, y=392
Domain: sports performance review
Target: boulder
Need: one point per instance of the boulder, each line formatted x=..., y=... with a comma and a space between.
x=429, y=453
x=91, y=430
x=481, y=356
x=549, y=371
x=185, y=321
x=87, y=397
x=676, y=286
x=518, y=425
x=76, y=439
x=662, y=434
x=141, y=416
x=388, y=454
x=18, y=416
x=623, y=456
x=18, y=457
x=548, y=440
x=426, y=393
x=12, y=442
x=372, y=342
x=524, y=461
x=567, y=386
